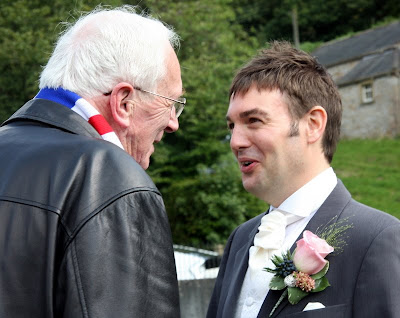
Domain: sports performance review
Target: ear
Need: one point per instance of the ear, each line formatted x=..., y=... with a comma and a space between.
x=316, y=123
x=121, y=105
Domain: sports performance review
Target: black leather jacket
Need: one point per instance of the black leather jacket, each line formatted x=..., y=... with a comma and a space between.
x=83, y=229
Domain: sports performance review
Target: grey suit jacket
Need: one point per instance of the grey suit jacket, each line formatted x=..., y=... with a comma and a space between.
x=364, y=278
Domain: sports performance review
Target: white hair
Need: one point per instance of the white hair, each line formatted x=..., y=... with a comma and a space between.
x=108, y=46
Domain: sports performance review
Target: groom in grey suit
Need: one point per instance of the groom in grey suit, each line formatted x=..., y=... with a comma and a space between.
x=284, y=117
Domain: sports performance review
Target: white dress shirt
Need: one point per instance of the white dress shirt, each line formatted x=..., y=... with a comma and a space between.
x=304, y=203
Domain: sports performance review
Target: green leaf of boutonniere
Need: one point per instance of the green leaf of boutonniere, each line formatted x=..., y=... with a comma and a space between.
x=277, y=283
x=295, y=295
x=320, y=284
x=276, y=259
x=321, y=273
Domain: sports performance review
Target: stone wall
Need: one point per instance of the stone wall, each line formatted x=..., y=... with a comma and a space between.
x=195, y=296
x=379, y=118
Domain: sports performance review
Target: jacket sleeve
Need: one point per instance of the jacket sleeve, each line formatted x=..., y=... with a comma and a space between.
x=215, y=301
x=120, y=263
x=377, y=293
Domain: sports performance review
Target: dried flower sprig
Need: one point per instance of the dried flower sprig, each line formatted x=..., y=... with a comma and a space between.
x=333, y=233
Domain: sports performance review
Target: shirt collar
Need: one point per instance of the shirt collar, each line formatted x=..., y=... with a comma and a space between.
x=310, y=197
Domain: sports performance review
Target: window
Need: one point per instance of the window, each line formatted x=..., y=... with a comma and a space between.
x=367, y=93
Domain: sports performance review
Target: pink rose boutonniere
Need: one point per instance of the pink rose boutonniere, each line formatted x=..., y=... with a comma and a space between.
x=310, y=253
x=303, y=271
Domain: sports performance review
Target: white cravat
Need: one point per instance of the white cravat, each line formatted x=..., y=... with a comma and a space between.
x=270, y=238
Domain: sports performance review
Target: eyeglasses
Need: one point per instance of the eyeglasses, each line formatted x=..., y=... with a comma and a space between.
x=179, y=104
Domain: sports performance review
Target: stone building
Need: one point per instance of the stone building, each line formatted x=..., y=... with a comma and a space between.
x=366, y=69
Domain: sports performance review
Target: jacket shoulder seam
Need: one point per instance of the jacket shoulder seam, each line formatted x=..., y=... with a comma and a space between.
x=38, y=205
x=31, y=203
x=101, y=208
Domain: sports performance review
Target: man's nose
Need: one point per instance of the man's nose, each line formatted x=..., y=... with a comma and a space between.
x=173, y=124
x=239, y=139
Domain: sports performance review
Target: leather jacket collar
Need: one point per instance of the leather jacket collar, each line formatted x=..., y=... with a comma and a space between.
x=54, y=114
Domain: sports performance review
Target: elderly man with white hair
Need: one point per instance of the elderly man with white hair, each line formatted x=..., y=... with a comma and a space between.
x=83, y=229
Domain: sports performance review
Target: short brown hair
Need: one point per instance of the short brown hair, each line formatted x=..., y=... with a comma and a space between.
x=302, y=80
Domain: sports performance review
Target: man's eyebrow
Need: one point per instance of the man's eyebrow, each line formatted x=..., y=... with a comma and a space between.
x=247, y=113
x=254, y=111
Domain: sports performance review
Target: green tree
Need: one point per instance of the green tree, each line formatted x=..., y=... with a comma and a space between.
x=28, y=30
x=193, y=167
x=319, y=20
x=25, y=41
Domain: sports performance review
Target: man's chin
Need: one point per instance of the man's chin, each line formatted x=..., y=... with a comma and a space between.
x=144, y=163
x=248, y=185
x=253, y=188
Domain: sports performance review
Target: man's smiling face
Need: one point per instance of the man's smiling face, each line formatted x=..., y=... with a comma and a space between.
x=269, y=158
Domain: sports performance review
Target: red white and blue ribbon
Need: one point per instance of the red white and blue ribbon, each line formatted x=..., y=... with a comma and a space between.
x=83, y=108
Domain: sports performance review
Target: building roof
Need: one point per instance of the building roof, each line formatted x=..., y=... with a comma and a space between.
x=361, y=44
x=371, y=66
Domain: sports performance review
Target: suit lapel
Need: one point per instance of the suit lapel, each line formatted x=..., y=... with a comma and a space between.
x=332, y=208
x=241, y=264
x=269, y=303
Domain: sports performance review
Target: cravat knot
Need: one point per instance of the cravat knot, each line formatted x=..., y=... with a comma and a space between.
x=270, y=237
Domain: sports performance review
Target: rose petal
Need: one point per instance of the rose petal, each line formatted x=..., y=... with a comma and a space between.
x=320, y=245
x=307, y=259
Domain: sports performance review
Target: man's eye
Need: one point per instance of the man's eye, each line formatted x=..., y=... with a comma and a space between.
x=231, y=126
x=254, y=120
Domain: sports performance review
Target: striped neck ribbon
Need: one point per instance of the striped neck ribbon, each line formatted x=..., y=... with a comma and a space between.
x=83, y=108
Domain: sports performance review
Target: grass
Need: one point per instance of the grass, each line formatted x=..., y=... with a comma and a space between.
x=370, y=169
